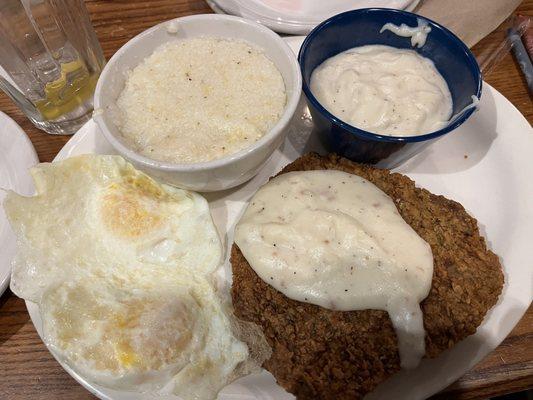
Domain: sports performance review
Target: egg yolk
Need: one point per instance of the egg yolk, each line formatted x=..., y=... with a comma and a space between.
x=124, y=214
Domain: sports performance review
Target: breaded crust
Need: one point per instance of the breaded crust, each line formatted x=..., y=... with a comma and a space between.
x=324, y=354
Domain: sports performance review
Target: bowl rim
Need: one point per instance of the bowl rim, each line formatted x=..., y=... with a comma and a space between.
x=375, y=136
x=268, y=137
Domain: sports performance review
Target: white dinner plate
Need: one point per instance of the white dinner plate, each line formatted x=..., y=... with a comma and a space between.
x=485, y=165
x=298, y=17
x=17, y=156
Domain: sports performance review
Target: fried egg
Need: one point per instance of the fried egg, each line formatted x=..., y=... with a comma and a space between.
x=98, y=213
x=153, y=332
x=122, y=269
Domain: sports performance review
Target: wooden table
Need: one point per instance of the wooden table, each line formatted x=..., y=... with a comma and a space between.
x=28, y=371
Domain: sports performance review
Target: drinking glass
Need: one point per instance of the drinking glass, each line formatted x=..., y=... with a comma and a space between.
x=50, y=60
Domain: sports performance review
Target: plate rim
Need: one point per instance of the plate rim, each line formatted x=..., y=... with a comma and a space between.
x=284, y=26
x=17, y=129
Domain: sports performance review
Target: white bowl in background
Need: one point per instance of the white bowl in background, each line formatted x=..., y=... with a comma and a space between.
x=222, y=173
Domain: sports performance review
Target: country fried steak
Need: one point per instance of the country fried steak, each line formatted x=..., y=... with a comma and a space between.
x=325, y=354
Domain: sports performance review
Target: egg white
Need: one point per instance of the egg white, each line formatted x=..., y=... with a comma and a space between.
x=148, y=332
x=100, y=213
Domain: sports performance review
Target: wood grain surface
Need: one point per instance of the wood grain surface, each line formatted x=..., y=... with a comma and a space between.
x=28, y=371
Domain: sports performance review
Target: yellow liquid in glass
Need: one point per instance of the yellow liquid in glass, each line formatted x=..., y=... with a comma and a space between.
x=71, y=90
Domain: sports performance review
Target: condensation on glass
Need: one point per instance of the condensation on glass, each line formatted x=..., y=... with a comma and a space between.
x=51, y=60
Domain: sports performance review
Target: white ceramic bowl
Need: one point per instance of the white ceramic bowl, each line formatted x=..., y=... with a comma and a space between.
x=218, y=174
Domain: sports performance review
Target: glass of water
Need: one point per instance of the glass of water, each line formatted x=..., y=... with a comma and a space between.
x=50, y=60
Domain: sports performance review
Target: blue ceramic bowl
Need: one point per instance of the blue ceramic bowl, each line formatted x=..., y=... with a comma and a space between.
x=359, y=28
